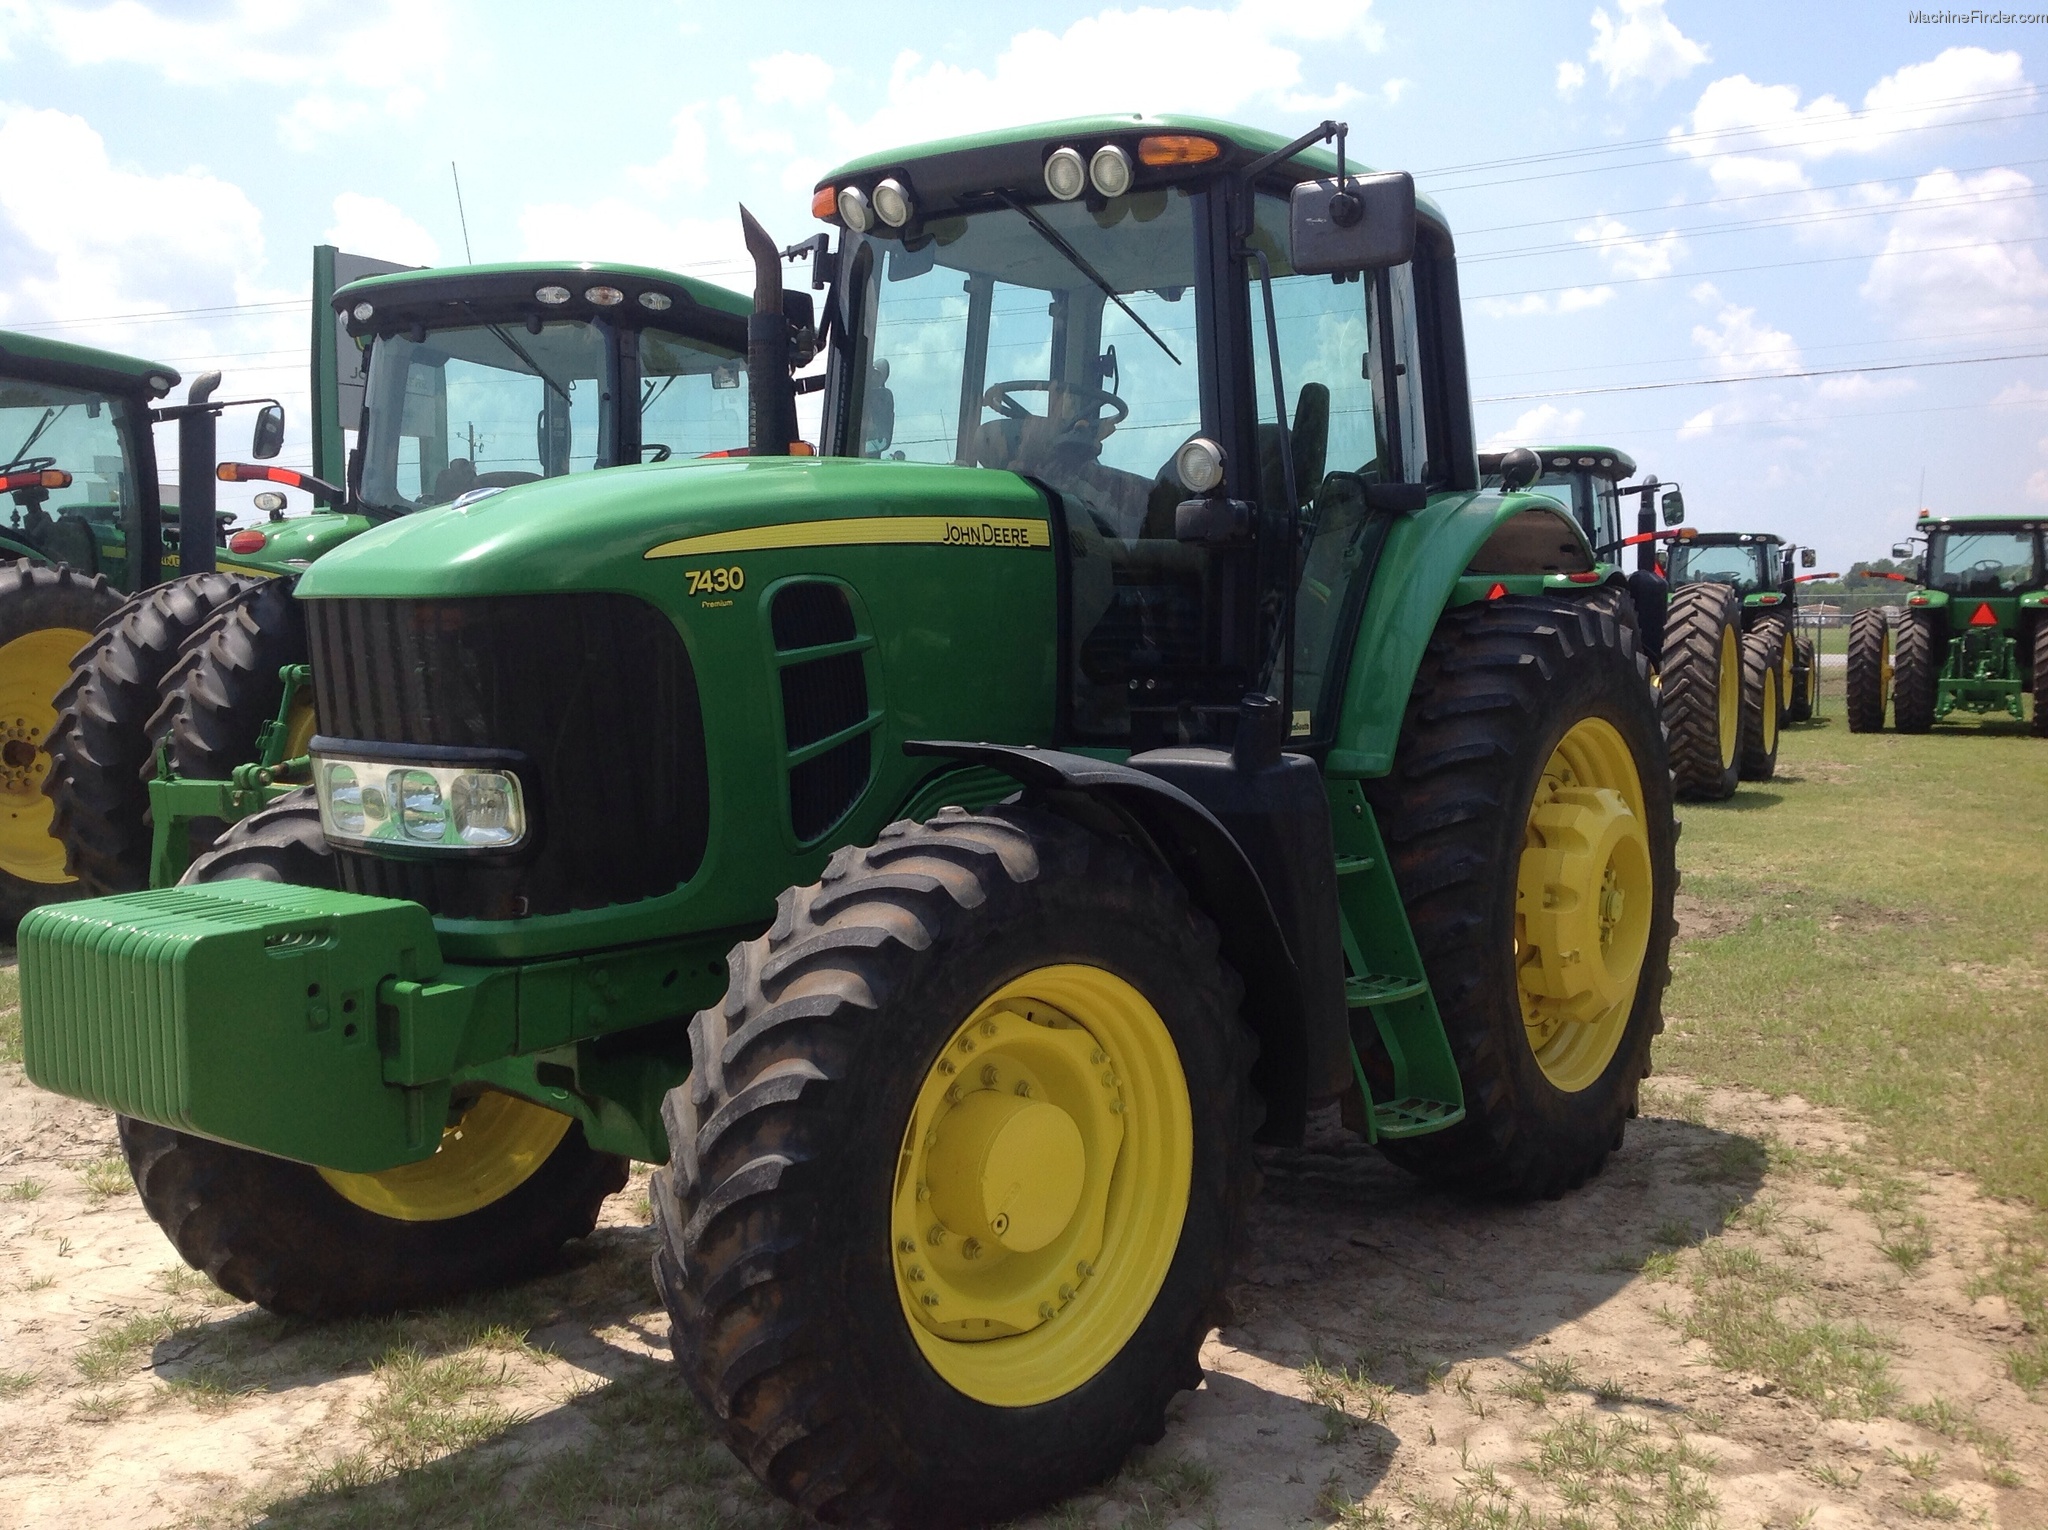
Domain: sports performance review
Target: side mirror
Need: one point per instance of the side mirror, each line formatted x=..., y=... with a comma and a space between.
x=1518, y=469
x=1808, y=558
x=268, y=440
x=1901, y=550
x=1368, y=222
x=1674, y=508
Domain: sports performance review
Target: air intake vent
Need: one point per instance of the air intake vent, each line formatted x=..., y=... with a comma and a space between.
x=826, y=720
x=810, y=615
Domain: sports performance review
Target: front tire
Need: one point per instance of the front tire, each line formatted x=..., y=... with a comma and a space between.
x=1869, y=685
x=101, y=756
x=1702, y=690
x=830, y=1258
x=2041, y=677
x=1529, y=823
x=1805, y=676
x=510, y=1185
x=1921, y=650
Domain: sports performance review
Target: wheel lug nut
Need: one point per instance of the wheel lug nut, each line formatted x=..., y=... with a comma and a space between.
x=1098, y=1056
x=1024, y=1087
x=1045, y=1309
x=935, y=1237
x=931, y=1298
x=907, y=1245
x=989, y=1074
x=988, y=1027
x=971, y=1248
x=1084, y=1269
x=1066, y=1293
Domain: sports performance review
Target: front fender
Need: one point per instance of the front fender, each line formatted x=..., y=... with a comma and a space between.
x=1416, y=578
x=1209, y=862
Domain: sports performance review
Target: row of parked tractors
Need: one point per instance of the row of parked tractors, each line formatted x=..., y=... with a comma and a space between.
x=586, y=782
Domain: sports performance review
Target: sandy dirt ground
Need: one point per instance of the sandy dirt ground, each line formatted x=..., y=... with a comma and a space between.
x=1746, y=1320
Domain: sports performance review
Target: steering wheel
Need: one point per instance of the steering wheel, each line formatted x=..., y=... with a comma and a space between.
x=999, y=398
x=661, y=452
x=28, y=465
x=1995, y=565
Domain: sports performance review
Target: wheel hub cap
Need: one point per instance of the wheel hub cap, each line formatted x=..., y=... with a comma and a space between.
x=1006, y=1169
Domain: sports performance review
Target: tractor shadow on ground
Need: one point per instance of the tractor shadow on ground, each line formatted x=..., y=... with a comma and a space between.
x=1747, y=799
x=1353, y=1261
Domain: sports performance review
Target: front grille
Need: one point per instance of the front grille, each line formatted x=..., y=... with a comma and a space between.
x=595, y=689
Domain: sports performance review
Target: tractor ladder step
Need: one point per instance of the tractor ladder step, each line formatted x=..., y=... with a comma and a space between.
x=1412, y=1117
x=1380, y=988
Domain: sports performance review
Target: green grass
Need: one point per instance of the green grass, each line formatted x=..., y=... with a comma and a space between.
x=10, y=1014
x=1889, y=958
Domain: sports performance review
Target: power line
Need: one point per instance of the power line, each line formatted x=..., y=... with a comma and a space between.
x=1773, y=265
x=1829, y=345
x=1753, y=225
x=1710, y=382
x=1548, y=156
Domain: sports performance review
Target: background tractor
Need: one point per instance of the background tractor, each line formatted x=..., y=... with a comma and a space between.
x=474, y=379
x=640, y=827
x=1973, y=637
x=79, y=479
x=1778, y=664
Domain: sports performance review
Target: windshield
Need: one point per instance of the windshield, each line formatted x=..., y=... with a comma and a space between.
x=1982, y=562
x=494, y=405
x=82, y=433
x=1734, y=564
x=993, y=345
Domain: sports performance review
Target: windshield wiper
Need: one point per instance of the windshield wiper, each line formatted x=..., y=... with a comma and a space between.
x=1053, y=237
x=520, y=351
x=49, y=418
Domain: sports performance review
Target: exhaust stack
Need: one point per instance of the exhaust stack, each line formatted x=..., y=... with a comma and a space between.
x=771, y=401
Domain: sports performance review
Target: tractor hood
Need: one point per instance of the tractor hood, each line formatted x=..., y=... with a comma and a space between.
x=622, y=528
x=292, y=544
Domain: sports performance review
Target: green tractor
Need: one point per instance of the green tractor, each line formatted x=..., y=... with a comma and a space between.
x=1752, y=574
x=193, y=702
x=86, y=527
x=946, y=855
x=1972, y=638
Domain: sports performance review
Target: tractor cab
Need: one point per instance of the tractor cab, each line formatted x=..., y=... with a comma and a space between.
x=483, y=378
x=1100, y=306
x=1586, y=480
x=1757, y=565
x=1983, y=557
x=78, y=473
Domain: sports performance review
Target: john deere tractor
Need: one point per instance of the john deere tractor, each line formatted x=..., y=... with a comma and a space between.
x=1777, y=665
x=946, y=854
x=1972, y=638
x=79, y=480
x=477, y=379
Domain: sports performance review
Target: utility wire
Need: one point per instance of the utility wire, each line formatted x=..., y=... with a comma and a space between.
x=1709, y=382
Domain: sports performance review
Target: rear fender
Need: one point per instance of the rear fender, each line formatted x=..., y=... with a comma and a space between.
x=1189, y=841
x=1425, y=556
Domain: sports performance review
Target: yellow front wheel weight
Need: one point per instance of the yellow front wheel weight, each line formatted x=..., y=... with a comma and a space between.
x=1041, y=1186
x=33, y=669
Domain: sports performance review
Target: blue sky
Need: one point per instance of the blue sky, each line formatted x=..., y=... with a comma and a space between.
x=1736, y=191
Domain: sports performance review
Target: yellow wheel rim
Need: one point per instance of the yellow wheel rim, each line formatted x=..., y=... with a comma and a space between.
x=491, y=1151
x=1582, y=905
x=1770, y=718
x=1728, y=694
x=1785, y=663
x=1042, y=1185
x=1884, y=672
x=33, y=668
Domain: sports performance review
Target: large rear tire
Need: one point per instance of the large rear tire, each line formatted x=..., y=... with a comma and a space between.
x=1869, y=685
x=1702, y=690
x=1922, y=645
x=100, y=749
x=511, y=1183
x=875, y=1336
x=1763, y=662
x=1529, y=819
x=46, y=616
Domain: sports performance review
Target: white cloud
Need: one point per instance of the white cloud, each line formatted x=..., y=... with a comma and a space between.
x=1627, y=254
x=1701, y=424
x=793, y=78
x=1740, y=346
x=2026, y=396
x=622, y=229
x=1995, y=281
x=1642, y=46
x=1779, y=134
x=1393, y=90
x=687, y=162
x=1544, y=424
x=2037, y=486
x=372, y=226
x=1571, y=78
x=1155, y=59
x=1571, y=300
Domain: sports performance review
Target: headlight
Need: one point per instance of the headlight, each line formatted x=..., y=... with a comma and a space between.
x=419, y=806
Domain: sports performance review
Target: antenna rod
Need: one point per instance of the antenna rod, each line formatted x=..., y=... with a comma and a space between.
x=468, y=259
